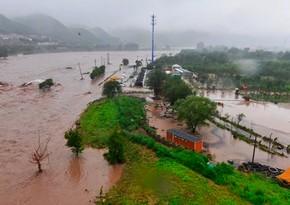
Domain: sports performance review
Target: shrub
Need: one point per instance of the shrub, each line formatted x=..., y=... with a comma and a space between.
x=116, y=148
x=46, y=84
x=75, y=141
x=97, y=71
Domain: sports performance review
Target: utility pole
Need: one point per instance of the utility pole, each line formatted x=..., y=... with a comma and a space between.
x=253, y=157
x=80, y=71
x=153, y=22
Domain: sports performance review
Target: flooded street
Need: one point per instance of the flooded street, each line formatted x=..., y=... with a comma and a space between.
x=27, y=113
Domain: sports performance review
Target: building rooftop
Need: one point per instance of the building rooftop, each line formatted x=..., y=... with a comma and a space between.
x=184, y=135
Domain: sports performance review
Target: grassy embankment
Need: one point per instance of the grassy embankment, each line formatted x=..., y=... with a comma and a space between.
x=154, y=174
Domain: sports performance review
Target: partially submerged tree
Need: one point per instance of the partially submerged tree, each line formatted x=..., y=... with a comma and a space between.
x=125, y=61
x=40, y=153
x=97, y=71
x=138, y=63
x=116, y=148
x=155, y=80
x=195, y=111
x=111, y=88
x=240, y=117
x=46, y=84
x=75, y=141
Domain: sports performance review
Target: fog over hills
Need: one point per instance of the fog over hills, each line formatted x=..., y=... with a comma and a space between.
x=7, y=26
x=55, y=30
x=44, y=25
x=242, y=23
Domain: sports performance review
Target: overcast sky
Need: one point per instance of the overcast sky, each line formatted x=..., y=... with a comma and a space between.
x=234, y=16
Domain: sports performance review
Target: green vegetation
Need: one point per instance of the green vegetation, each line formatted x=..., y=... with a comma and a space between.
x=116, y=148
x=174, y=89
x=195, y=111
x=156, y=174
x=125, y=61
x=111, y=88
x=75, y=141
x=265, y=73
x=156, y=80
x=97, y=71
x=46, y=84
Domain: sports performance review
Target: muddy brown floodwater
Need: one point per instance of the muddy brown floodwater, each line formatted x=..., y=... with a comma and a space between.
x=265, y=118
x=26, y=113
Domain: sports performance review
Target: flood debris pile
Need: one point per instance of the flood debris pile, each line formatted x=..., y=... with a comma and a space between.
x=269, y=171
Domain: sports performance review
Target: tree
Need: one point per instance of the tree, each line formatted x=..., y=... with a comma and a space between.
x=111, y=88
x=125, y=61
x=3, y=52
x=116, y=148
x=175, y=88
x=240, y=117
x=195, y=111
x=75, y=141
x=97, y=71
x=40, y=153
x=155, y=81
x=138, y=63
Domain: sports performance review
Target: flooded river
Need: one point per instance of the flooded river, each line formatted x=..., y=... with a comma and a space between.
x=26, y=113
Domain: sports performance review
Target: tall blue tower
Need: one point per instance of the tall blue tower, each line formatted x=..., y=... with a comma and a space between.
x=153, y=24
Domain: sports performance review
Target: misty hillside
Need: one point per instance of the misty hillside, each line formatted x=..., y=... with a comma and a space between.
x=48, y=26
x=7, y=26
x=189, y=38
x=103, y=35
x=86, y=37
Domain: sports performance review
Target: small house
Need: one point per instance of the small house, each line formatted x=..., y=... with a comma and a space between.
x=184, y=139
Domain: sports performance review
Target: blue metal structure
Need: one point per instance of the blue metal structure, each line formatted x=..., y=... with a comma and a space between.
x=153, y=23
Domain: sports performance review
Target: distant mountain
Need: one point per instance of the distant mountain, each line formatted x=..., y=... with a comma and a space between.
x=48, y=26
x=7, y=26
x=86, y=37
x=105, y=36
x=134, y=35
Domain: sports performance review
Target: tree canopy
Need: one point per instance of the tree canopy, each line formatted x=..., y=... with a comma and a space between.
x=125, y=61
x=116, y=149
x=174, y=89
x=195, y=111
x=75, y=141
x=155, y=80
x=111, y=88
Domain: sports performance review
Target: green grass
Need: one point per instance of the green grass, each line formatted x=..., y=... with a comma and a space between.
x=148, y=179
x=98, y=122
x=155, y=174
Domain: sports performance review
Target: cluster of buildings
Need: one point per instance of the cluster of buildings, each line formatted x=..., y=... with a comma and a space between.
x=179, y=72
